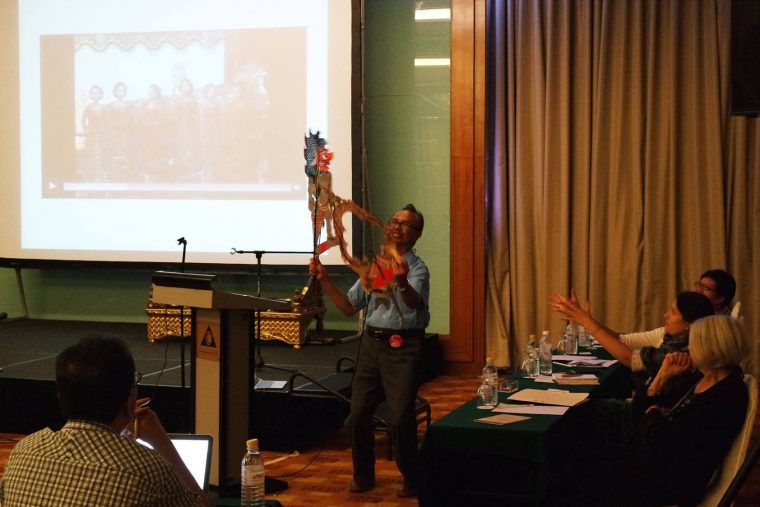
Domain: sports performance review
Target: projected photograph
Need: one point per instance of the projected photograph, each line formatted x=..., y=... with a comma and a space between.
x=206, y=114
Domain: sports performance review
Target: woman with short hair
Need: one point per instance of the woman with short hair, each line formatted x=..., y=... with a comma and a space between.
x=674, y=451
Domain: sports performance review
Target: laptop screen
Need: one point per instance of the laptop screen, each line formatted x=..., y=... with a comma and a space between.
x=195, y=451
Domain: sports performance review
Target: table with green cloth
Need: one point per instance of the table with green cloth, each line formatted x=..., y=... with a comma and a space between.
x=473, y=463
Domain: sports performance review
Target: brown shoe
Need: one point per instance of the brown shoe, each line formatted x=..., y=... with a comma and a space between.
x=361, y=485
x=406, y=490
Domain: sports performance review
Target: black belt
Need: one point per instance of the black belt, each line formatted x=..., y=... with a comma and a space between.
x=383, y=334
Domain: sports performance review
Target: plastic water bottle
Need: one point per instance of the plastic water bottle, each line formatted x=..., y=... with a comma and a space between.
x=531, y=363
x=252, y=476
x=489, y=372
x=583, y=338
x=545, y=355
x=571, y=338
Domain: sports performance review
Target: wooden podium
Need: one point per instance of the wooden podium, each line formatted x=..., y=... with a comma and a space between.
x=221, y=374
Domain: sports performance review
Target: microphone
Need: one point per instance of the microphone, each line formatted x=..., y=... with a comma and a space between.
x=182, y=241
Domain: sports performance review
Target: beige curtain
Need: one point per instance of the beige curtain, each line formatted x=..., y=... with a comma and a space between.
x=615, y=167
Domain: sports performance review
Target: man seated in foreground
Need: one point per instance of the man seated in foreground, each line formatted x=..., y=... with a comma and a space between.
x=89, y=461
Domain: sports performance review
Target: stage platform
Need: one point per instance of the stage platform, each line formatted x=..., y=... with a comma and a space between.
x=28, y=402
x=28, y=349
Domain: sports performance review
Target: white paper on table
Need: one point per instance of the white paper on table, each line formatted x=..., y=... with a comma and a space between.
x=571, y=357
x=530, y=409
x=549, y=397
x=546, y=379
x=604, y=363
x=584, y=361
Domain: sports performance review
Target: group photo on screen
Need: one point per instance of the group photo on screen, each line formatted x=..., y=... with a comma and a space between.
x=189, y=108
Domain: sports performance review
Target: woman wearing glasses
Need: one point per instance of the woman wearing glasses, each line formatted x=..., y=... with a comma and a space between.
x=719, y=287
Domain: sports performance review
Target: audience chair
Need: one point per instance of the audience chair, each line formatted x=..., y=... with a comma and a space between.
x=736, y=311
x=741, y=476
x=382, y=414
x=338, y=385
x=736, y=454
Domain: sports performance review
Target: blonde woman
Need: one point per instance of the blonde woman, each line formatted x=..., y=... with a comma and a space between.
x=674, y=450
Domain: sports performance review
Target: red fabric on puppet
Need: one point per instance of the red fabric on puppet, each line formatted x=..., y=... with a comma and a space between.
x=324, y=157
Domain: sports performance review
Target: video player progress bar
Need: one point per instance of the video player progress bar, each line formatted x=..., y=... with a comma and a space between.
x=180, y=187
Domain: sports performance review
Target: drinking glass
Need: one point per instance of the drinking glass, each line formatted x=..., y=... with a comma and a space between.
x=488, y=394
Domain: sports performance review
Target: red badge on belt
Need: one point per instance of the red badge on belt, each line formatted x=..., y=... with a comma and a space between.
x=396, y=341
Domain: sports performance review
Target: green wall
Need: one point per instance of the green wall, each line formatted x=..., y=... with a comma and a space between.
x=407, y=142
x=407, y=131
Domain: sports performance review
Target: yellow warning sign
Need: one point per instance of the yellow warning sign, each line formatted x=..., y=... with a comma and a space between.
x=207, y=339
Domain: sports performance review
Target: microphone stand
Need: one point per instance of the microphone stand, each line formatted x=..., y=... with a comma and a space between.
x=272, y=484
x=182, y=241
x=258, y=360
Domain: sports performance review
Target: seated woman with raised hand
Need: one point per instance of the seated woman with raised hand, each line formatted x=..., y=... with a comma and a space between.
x=716, y=284
x=674, y=451
x=643, y=353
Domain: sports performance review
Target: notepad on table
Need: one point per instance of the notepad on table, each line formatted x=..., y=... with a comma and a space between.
x=576, y=379
x=501, y=419
x=549, y=397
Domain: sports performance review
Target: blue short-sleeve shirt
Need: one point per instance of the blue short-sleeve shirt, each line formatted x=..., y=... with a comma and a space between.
x=382, y=312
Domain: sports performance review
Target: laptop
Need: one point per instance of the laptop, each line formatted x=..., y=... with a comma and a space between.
x=195, y=451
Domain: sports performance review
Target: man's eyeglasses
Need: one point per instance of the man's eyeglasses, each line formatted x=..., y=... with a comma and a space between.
x=402, y=223
x=700, y=286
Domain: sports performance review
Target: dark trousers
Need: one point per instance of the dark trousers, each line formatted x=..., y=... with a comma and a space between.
x=396, y=373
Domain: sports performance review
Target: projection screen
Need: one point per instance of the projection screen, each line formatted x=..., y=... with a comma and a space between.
x=128, y=125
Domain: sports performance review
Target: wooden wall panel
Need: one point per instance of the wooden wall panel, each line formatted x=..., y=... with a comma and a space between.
x=464, y=348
